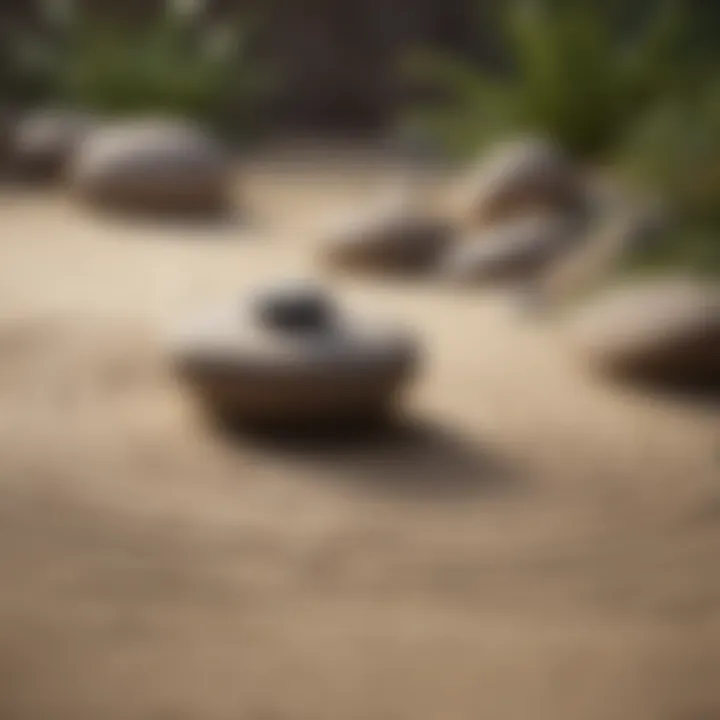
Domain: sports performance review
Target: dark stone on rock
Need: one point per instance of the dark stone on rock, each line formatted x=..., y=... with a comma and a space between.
x=295, y=308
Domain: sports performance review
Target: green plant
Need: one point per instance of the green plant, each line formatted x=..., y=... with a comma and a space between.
x=675, y=152
x=572, y=74
x=676, y=149
x=695, y=250
x=175, y=62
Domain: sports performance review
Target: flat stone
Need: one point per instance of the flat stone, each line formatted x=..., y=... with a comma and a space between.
x=390, y=237
x=513, y=250
x=666, y=329
x=256, y=372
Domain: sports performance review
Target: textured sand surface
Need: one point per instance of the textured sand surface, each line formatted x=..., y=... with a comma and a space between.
x=535, y=544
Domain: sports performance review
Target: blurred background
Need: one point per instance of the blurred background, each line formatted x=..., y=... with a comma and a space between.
x=629, y=84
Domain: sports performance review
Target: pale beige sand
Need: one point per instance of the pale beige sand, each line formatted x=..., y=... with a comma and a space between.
x=543, y=545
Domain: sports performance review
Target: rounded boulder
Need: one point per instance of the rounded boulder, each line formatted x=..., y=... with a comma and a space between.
x=153, y=166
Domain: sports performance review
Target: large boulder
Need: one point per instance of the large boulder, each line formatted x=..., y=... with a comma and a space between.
x=519, y=177
x=43, y=143
x=288, y=357
x=393, y=235
x=510, y=251
x=664, y=329
x=153, y=166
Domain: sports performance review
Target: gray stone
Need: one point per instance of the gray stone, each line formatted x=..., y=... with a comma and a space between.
x=290, y=356
x=153, y=166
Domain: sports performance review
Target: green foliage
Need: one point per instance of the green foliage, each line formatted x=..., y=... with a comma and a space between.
x=675, y=151
x=572, y=75
x=611, y=80
x=476, y=108
x=175, y=63
x=694, y=249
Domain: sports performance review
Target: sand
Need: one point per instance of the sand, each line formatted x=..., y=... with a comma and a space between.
x=534, y=542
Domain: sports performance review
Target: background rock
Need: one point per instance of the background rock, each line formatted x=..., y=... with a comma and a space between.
x=519, y=177
x=43, y=143
x=393, y=236
x=153, y=166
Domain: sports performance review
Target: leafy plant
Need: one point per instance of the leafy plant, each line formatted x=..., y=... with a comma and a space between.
x=176, y=62
x=675, y=151
x=571, y=74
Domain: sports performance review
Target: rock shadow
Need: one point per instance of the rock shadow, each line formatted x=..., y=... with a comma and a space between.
x=399, y=458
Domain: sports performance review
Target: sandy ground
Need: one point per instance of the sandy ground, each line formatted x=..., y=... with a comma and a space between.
x=536, y=543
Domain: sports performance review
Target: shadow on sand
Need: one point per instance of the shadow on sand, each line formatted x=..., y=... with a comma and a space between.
x=397, y=458
x=701, y=392
x=227, y=216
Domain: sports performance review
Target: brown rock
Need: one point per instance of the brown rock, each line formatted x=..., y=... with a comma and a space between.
x=665, y=329
x=391, y=237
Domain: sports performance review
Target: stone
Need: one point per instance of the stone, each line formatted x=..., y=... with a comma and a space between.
x=665, y=329
x=288, y=356
x=153, y=166
x=43, y=143
x=511, y=251
x=519, y=177
x=393, y=236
